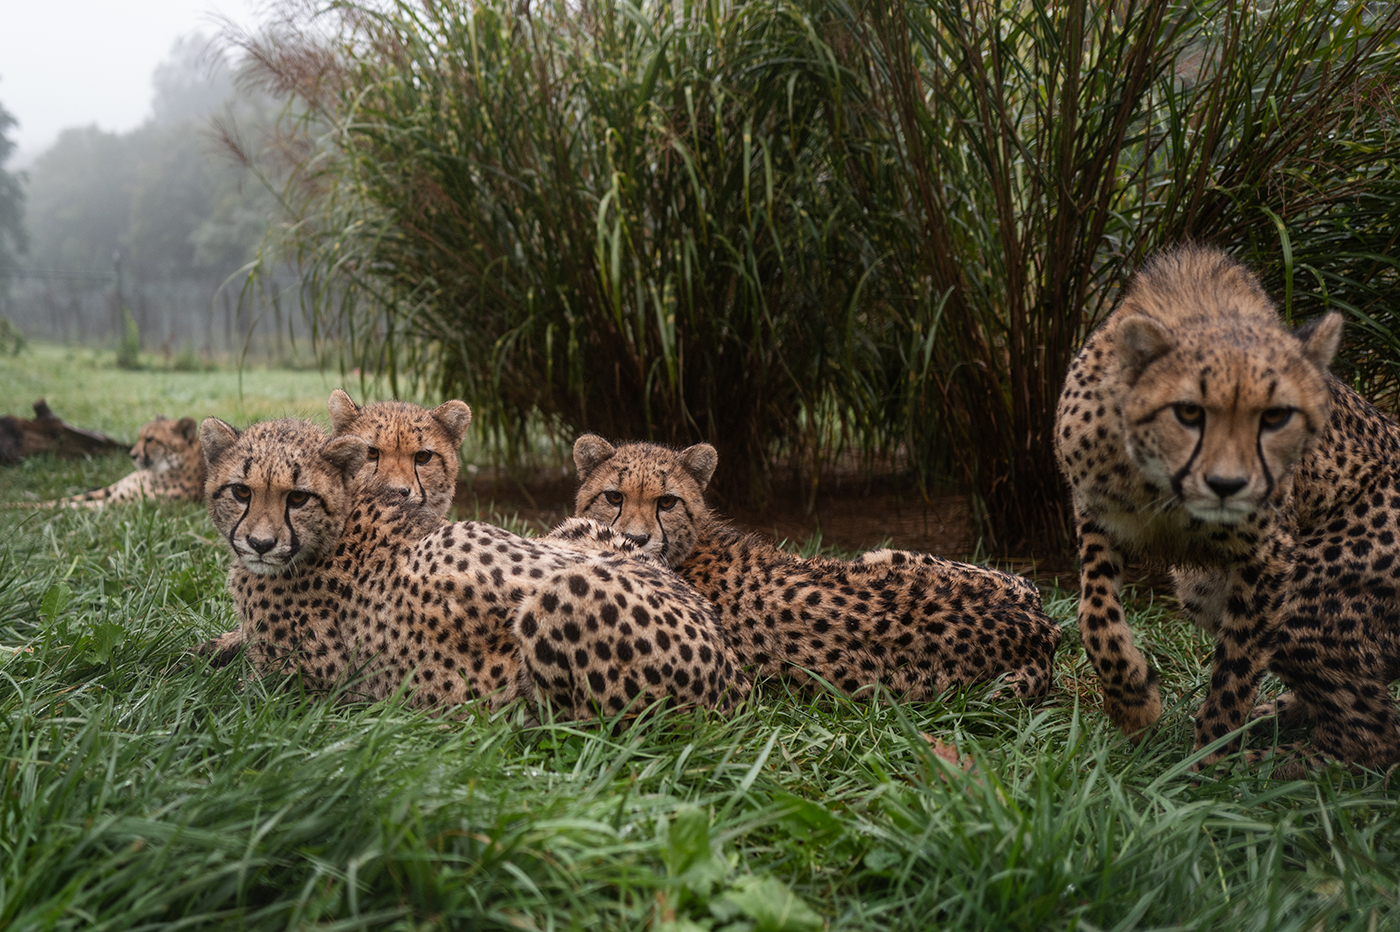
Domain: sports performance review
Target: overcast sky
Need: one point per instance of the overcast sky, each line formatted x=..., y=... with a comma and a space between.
x=76, y=62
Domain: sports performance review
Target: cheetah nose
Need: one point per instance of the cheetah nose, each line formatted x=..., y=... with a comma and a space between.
x=1225, y=487
x=638, y=540
x=261, y=545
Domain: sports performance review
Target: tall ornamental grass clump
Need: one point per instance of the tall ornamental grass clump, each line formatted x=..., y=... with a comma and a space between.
x=612, y=217
x=1034, y=153
x=798, y=227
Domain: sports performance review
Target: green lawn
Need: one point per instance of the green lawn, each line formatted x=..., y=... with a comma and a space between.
x=140, y=789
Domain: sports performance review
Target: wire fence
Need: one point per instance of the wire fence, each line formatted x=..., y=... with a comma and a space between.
x=210, y=317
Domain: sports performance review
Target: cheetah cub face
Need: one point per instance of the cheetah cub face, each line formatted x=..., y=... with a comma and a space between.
x=1217, y=422
x=282, y=496
x=654, y=501
x=412, y=449
x=166, y=444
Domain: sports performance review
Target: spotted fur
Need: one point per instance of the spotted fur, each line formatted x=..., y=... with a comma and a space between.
x=349, y=583
x=1197, y=431
x=912, y=623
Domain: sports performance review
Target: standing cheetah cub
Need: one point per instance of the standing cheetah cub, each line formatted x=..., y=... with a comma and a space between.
x=913, y=623
x=348, y=582
x=1194, y=429
x=411, y=449
x=168, y=465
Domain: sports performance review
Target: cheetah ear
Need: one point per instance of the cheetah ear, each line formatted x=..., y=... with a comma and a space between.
x=346, y=454
x=1321, y=338
x=187, y=428
x=343, y=410
x=590, y=452
x=1140, y=341
x=455, y=416
x=215, y=437
x=700, y=461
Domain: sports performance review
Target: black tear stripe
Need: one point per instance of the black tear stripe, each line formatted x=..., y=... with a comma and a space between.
x=1181, y=473
x=665, y=538
x=1263, y=463
x=294, y=541
x=233, y=530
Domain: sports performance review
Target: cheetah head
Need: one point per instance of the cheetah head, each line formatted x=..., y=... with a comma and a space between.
x=1220, y=404
x=411, y=449
x=653, y=495
x=166, y=444
x=279, y=491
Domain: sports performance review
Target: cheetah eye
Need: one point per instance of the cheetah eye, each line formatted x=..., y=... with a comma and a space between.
x=241, y=492
x=614, y=498
x=422, y=456
x=666, y=502
x=1274, y=418
x=296, y=498
x=1188, y=414
x=372, y=454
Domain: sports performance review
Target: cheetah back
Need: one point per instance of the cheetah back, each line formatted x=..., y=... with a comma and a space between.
x=913, y=623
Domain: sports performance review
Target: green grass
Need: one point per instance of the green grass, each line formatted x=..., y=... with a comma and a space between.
x=139, y=788
x=86, y=388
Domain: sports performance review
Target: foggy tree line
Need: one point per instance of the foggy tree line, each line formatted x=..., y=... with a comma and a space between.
x=153, y=227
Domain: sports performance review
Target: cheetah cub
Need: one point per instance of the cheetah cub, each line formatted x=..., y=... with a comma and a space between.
x=411, y=448
x=348, y=582
x=168, y=466
x=913, y=623
x=1195, y=430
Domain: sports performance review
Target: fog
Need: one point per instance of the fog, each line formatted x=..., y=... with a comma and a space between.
x=154, y=226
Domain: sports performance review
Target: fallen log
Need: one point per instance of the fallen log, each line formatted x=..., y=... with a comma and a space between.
x=21, y=438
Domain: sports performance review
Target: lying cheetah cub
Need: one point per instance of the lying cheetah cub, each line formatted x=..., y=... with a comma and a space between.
x=168, y=465
x=913, y=623
x=1196, y=430
x=411, y=449
x=348, y=582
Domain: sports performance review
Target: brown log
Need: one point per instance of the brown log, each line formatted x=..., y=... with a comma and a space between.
x=21, y=438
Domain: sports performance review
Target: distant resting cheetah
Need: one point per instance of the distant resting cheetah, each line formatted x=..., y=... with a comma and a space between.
x=1195, y=430
x=411, y=448
x=913, y=623
x=168, y=466
x=349, y=583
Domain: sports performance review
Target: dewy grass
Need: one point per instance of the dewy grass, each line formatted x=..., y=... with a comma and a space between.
x=141, y=789
x=87, y=390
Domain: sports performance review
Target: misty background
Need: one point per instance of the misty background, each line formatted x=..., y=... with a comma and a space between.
x=144, y=238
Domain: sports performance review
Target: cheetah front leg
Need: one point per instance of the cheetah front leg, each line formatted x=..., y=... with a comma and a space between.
x=1204, y=595
x=1245, y=633
x=1131, y=697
